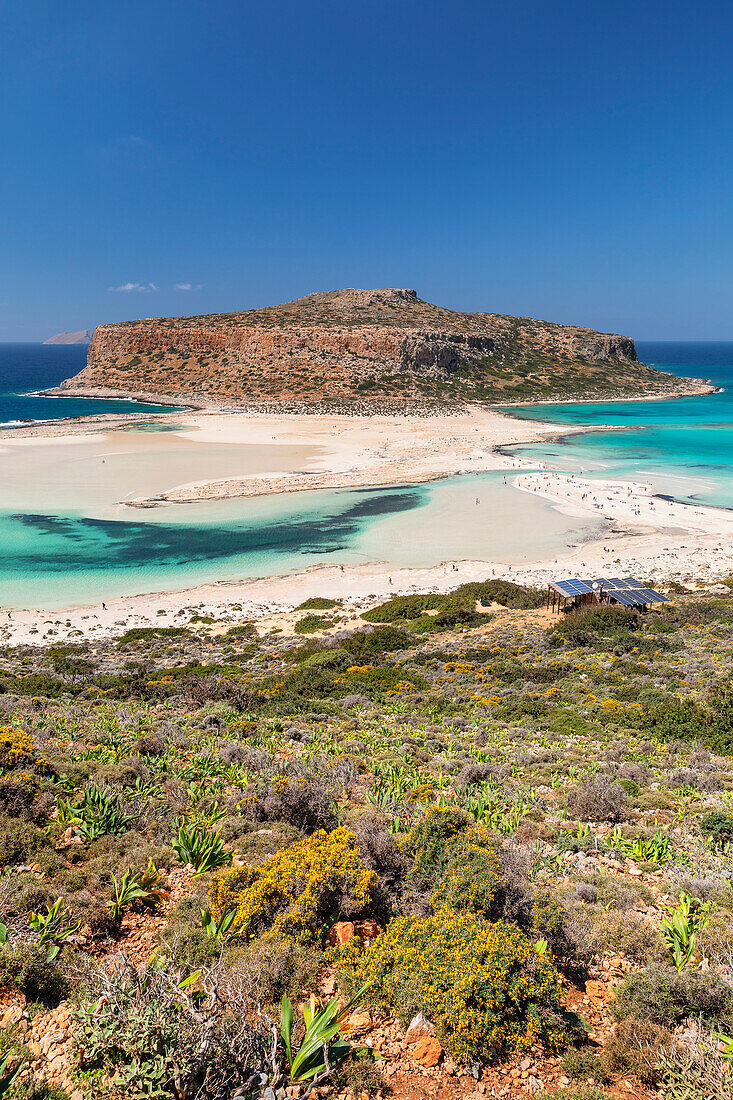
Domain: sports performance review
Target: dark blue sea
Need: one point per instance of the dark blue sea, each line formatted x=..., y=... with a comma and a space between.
x=27, y=368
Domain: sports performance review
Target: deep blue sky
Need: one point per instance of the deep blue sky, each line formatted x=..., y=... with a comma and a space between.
x=565, y=159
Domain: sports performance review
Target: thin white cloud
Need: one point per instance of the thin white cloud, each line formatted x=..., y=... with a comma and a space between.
x=141, y=288
x=183, y=286
x=133, y=141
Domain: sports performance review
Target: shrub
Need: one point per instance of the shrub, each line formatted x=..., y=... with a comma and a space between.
x=470, y=879
x=298, y=889
x=27, y=968
x=317, y=603
x=360, y=1074
x=305, y=804
x=635, y=1048
x=405, y=608
x=718, y=825
x=19, y=840
x=517, y=596
x=665, y=996
x=587, y=626
x=368, y=643
x=269, y=969
x=430, y=837
x=598, y=799
x=482, y=984
x=625, y=933
x=310, y=623
x=381, y=853
x=17, y=750
x=148, y=1035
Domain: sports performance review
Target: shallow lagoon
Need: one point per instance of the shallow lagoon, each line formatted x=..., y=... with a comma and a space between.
x=59, y=558
x=684, y=447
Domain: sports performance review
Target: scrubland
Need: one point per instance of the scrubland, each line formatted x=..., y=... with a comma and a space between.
x=454, y=851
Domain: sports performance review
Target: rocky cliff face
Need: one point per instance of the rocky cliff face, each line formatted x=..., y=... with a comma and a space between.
x=367, y=344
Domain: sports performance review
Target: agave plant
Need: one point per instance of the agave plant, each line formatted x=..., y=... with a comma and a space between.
x=317, y=1053
x=218, y=929
x=681, y=925
x=142, y=885
x=8, y=1076
x=52, y=927
x=97, y=814
x=202, y=849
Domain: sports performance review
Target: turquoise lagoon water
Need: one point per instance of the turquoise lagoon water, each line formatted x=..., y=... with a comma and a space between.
x=58, y=559
x=684, y=447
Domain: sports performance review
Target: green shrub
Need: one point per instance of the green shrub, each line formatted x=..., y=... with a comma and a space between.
x=430, y=838
x=310, y=623
x=404, y=608
x=482, y=984
x=718, y=825
x=470, y=881
x=370, y=643
x=317, y=603
x=516, y=596
x=19, y=840
x=149, y=1035
x=27, y=968
x=665, y=996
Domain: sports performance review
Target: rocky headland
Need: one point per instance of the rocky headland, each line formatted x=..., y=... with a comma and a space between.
x=366, y=346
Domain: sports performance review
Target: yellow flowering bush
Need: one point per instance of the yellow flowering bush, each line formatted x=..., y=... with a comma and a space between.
x=296, y=890
x=483, y=985
x=18, y=751
x=471, y=879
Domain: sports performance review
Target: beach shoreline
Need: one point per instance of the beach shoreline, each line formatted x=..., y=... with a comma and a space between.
x=643, y=533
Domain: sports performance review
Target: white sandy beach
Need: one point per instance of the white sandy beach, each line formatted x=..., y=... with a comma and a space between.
x=267, y=454
x=220, y=455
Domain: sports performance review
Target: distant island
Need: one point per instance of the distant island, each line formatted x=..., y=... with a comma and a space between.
x=361, y=347
x=84, y=336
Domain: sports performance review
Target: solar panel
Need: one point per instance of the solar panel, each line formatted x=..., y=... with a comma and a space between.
x=572, y=587
x=579, y=587
x=650, y=596
x=623, y=596
x=634, y=591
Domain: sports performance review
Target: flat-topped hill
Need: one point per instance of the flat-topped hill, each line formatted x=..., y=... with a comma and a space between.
x=368, y=345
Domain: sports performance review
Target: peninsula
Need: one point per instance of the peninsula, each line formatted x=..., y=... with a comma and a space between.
x=351, y=348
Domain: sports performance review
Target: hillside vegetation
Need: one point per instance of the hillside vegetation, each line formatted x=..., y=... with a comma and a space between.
x=495, y=847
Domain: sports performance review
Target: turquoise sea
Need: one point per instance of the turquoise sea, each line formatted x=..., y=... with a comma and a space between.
x=53, y=555
x=683, y=446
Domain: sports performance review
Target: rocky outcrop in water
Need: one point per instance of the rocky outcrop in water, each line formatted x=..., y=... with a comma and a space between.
x=366, y=344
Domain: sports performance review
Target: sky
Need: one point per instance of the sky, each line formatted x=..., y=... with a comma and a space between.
x=565, y=159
